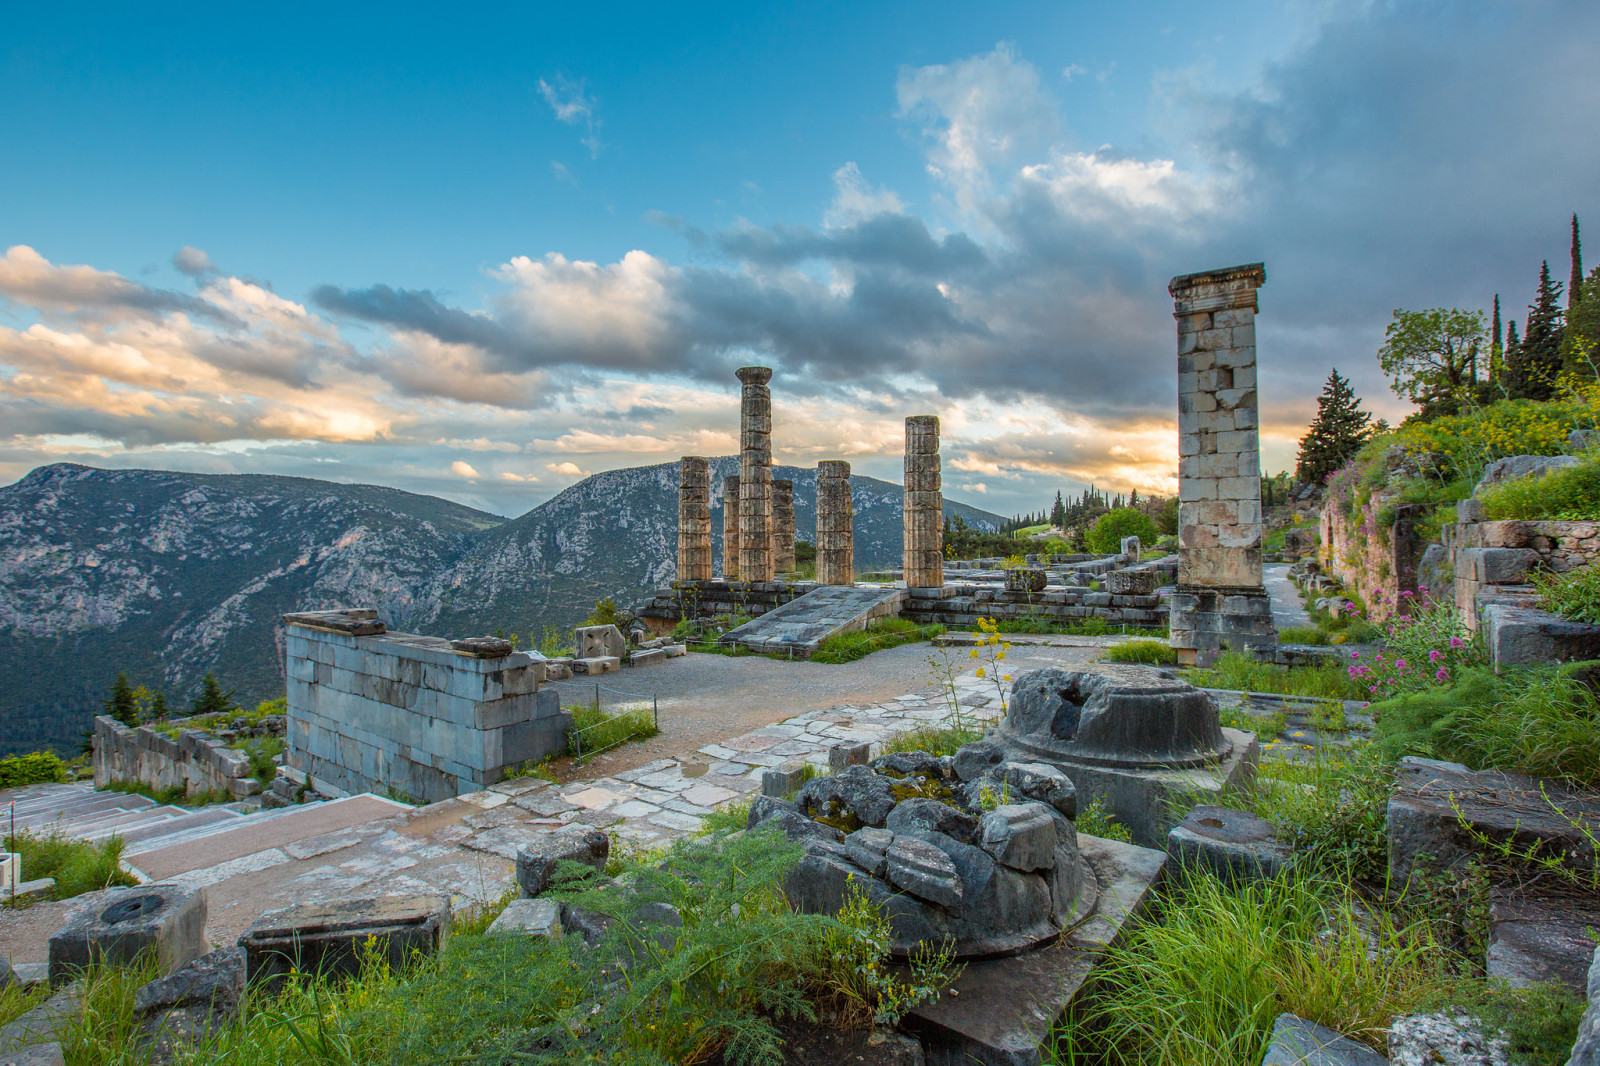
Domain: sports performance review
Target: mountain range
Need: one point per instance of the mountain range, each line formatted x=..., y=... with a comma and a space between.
x=165, y=576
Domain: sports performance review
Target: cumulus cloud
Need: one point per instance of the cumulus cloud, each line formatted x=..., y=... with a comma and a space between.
x=464, y=469
x=193, y=262
x=569, y=468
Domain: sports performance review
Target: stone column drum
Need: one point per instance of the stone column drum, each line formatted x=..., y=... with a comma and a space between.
x=1219, y=603
x=694, y=519
x=924, y=505
x=755, y=474
x=782, y=526
x=730, y=529
x=836, y=549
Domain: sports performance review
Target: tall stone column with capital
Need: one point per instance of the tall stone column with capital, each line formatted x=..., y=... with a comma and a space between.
x=730, y=529
x=924, y=505
x=836, y=546
x=755, y=474
x=694, y=519
x=1219, y=603
x=782, y=526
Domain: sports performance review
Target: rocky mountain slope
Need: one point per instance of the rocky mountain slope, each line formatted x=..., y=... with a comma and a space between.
x=167, y=575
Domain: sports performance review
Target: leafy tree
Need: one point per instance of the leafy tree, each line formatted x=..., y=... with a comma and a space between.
x=1533, y=375
x=1106, y=534
x=605, y=613
x=122, y=705
x=1428, y=356
x=1336, y=434
x=212, y=700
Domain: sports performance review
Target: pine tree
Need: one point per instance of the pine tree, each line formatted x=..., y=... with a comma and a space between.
x=121, y=705
x=1497, y=347
x=211, y=699
x=158, y=706
x=1539, y=362
x=1336, y=434
x=1575, y=279
x=1058, y=513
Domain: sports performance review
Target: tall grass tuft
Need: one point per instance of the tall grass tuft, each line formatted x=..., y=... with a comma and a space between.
x=1238, y=671
x=884, y=633
x=595, y=729
x=78, y=866
x=1153, y=652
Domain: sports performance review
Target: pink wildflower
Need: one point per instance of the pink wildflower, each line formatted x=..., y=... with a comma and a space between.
x=1433, y=655
x=1443, y=674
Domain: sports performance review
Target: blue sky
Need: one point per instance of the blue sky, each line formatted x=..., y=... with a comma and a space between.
x=483, y=255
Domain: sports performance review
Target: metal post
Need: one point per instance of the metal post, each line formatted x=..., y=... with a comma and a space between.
x=655, y=710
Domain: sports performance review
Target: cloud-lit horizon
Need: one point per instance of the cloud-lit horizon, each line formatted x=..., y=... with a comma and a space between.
x=1007, y=275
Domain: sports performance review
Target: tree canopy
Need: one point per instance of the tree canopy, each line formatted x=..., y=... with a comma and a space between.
x=1336, y=434
x=1430, y=356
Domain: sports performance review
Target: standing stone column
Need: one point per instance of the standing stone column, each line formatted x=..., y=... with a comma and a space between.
x=1219, y=602
x=836, y=548
x=782, y=526
x=694, y=519
x=730, y=529
x=924, y=505
x=755, y=474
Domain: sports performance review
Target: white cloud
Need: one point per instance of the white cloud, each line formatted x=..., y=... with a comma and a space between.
x=193, y=262
x=568, y=468
x=464, y=469
x=572, y=104
x=856, y=201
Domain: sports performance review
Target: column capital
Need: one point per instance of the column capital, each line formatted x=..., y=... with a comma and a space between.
x=1217, y=290
x=754, y=375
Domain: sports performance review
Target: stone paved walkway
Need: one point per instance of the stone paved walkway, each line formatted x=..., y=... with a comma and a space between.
x=1287, y=607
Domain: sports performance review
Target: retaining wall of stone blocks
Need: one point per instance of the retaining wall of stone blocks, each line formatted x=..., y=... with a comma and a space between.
x=377, y=712
x=190, y=759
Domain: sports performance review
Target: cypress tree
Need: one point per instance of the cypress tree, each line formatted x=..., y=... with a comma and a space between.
x=1575, y=279
x=1511, y=362
x=1496, y=350
x=158, y=707
x=1541, y=344
x=121, y=705
x=1336, y=434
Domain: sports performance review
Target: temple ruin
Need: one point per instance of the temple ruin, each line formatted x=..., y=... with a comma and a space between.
x=924, y=505
x=694, y=519
x=836, y=546
x=755, y=474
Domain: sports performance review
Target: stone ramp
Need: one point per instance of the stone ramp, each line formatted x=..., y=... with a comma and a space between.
x=799, y=626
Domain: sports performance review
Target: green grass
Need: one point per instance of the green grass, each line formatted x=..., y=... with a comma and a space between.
x=1302, y=635
x=883, y=633
x=1087, y=627
x=1574, y=594
x=1573, y=493
x=1266, y=727
x=1153, y=652
x=935, y=740
x=1535, y=720
x=77, y=865
x=173, y=795
x=1095, y=820
x=595, y=730
x=1240, y=672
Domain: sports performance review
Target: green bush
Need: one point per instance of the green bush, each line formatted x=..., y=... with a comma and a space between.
x=1536, y=720
x=1574, y=594
x=933, y=739
x=1573, y=493
x=1105, y=536
x=40, y=767
x=1154, y=652
x=78, y=866
x=1097, y=821
x=595, y=730
x=1302, y=635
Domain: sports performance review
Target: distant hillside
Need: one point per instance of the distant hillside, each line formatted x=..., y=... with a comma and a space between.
x=167, y=575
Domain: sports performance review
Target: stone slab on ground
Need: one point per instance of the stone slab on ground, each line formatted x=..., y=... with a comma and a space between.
x=800, y=625
x=529, y=917
x=1297, y=1042
x=329, y=937
x=35, y=1055
x=42, y=1023
x=1586, y=1048
x=1524, y=636
x=1536, y=937
x=1000, y=1011
x=1229, y=844
x=119, y=924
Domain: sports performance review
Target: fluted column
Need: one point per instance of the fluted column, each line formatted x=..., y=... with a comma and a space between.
x=694, y=519
x=755, y=474
x=836, y=549
x=730, y=529
x=924, y=505
x=782, y=527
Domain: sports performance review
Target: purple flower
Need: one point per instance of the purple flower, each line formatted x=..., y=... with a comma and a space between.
x=1400, y=663
x=1443, y=674
x=1433, y=655
x=1457, y=642
x=1355, y=655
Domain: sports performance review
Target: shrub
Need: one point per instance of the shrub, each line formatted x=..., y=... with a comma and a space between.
x=1105, y=536
x=1574, y=594
x=605, y=613
x=1332, y=809
x=78, y=866
x=1573, y=493
x=1240, y=672
x=1422, y=649
x=40, y=767
x=1154, y=652
x=1302, y=635
x=1097, y=821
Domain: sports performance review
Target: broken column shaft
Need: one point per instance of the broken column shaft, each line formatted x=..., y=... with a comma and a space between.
x=694, y=519
x=835, y=524
x=1219, y=603
x=782, y=527
x=755, y=474
x=924, y=505
x=730, y=529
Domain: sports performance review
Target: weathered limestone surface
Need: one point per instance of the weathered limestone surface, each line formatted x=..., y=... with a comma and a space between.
x=694, y=519
x=166, y=920
x=730, y=529
x=836, y=550
x=782, y=526
x=755, y=474
x=368, y=713
x=193, y=759
x=801, y=625
x=924, y=505
x=330, y=937
x=1219, y=602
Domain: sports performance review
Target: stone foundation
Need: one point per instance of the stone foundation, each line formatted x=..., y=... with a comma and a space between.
x=1209, y=621
x=371, y=711
x=192, y=760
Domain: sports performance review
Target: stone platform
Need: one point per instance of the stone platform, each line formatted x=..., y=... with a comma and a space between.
x=801, y=625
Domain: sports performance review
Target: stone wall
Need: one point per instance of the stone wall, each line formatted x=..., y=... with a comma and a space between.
x=372, y=711
x=1376, y=562
x=192, y=759
x=1490, y=561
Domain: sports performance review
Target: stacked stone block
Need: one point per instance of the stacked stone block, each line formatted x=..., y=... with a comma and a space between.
x=836, y=552
x=370, y=711
x=192, y=760
x=1219, y=602
x=924, y=505
x=694, y=519
x=782, y=526
x=755, y=474
x=730, y=529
